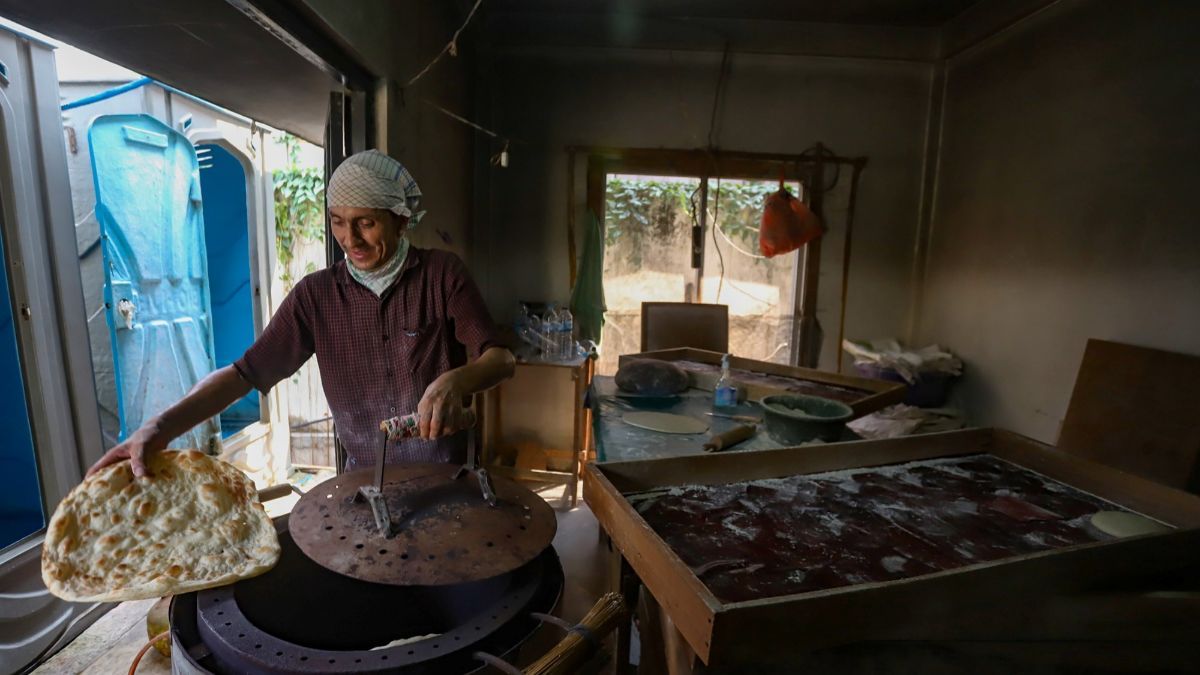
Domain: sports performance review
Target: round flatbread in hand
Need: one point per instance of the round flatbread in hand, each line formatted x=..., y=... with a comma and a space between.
x=194, y=523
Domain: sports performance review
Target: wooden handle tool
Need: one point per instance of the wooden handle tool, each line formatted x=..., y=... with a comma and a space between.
x=728, y=439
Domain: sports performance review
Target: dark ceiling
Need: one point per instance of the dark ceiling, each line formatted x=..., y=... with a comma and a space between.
x=208, y=48
x=862, y=12
x=204, y=47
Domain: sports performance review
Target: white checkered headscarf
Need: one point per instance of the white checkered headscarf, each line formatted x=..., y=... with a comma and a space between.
x=372, y=180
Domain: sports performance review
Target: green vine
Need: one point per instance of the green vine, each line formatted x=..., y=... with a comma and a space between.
x=299, y=207
x=640, y=209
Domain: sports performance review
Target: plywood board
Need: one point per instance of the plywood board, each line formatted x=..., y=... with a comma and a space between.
x=1137, y=410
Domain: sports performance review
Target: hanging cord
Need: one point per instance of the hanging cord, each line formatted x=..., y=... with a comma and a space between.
x=451, y=46
x=733, y=245
x=826, y=153
x=722, y=76
x=846, y=261
x=464, y=120
x=718, y=94
x=716, y=246
x=499, y=159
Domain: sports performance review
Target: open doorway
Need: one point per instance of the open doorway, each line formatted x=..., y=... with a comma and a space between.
x=83, y=229
x=227, y=243
x=177, y=205
x=166, y=188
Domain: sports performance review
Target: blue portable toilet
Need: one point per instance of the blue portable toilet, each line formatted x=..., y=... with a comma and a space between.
x=156, y=290
x=235, y=210
x=226, y=236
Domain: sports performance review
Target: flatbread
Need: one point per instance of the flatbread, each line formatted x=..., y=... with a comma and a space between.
x=1124, y=524
x=668, y=423
x=194, y=523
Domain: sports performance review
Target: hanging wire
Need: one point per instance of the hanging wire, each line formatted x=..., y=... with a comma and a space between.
x=716, y=226
x=499, y=159
x=812, y=153
x=722, y=78
x=739, y=249
x=460, y=118
x=451, y=46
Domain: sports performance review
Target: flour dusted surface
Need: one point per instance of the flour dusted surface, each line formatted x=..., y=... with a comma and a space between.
x=812, y=532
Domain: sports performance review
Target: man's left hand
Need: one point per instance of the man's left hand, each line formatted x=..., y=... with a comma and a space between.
x=440, y=412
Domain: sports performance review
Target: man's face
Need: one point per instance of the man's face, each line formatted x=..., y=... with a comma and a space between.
x=369, y=237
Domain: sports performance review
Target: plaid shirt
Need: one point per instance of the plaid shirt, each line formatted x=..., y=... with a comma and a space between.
x=377, y=354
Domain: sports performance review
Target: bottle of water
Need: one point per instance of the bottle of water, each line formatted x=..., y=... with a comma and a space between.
x=533, y=336
x=550, y=328
x=567, y=330
x=521, y=320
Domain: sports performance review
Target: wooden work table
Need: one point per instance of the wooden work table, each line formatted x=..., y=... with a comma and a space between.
x=1117, y=604
x=617, y=441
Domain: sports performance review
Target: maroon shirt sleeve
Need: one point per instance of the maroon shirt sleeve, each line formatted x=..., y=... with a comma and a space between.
x=473, y=325
x=284, y=346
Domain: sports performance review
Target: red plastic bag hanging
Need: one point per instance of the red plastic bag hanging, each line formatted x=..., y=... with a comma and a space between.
x=787, y=224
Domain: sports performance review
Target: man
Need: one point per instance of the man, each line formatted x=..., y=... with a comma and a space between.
x=394, y=329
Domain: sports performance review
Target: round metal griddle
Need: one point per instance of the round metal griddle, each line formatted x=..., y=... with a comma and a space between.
x=444, y=532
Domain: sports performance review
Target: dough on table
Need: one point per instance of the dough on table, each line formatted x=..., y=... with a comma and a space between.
x=1125, y=524
x=668, y=423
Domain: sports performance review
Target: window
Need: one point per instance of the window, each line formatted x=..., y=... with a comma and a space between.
x=681, y=226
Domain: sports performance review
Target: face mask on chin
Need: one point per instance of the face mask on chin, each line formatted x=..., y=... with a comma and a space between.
x=381, y=278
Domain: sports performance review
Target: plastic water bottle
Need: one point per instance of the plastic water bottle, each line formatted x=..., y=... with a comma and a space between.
x=567, y=330
x=533, y=334
x=550, y=328
x=725, y=394
x=521, y=320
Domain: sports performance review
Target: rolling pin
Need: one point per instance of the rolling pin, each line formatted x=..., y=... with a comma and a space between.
x=728, y=439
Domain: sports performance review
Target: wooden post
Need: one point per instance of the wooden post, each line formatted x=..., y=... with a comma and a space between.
x=858, y=166
x=571, y=255
x=805, y=353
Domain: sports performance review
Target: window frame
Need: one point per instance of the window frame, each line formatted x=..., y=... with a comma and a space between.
x=706, y=165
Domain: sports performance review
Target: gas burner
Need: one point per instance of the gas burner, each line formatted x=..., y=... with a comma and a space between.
x=300, y=618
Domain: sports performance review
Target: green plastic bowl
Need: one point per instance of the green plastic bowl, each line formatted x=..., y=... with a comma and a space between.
x=794, y=418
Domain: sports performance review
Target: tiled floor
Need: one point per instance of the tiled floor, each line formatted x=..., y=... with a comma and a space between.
x=110, y=644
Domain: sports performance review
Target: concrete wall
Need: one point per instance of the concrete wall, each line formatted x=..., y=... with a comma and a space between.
x=1065, y=205
x=548, y=98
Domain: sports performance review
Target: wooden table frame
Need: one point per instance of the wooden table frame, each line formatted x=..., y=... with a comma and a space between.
x=931, y=606
x=581, y=442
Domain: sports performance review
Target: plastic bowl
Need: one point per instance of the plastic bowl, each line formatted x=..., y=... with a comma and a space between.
x=795, y=418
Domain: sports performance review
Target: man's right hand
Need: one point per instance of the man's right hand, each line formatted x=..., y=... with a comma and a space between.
x=209, y=397
x=149, y=438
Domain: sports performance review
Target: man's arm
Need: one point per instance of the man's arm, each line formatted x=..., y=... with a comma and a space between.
x=209, y=397
x=441, y=408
